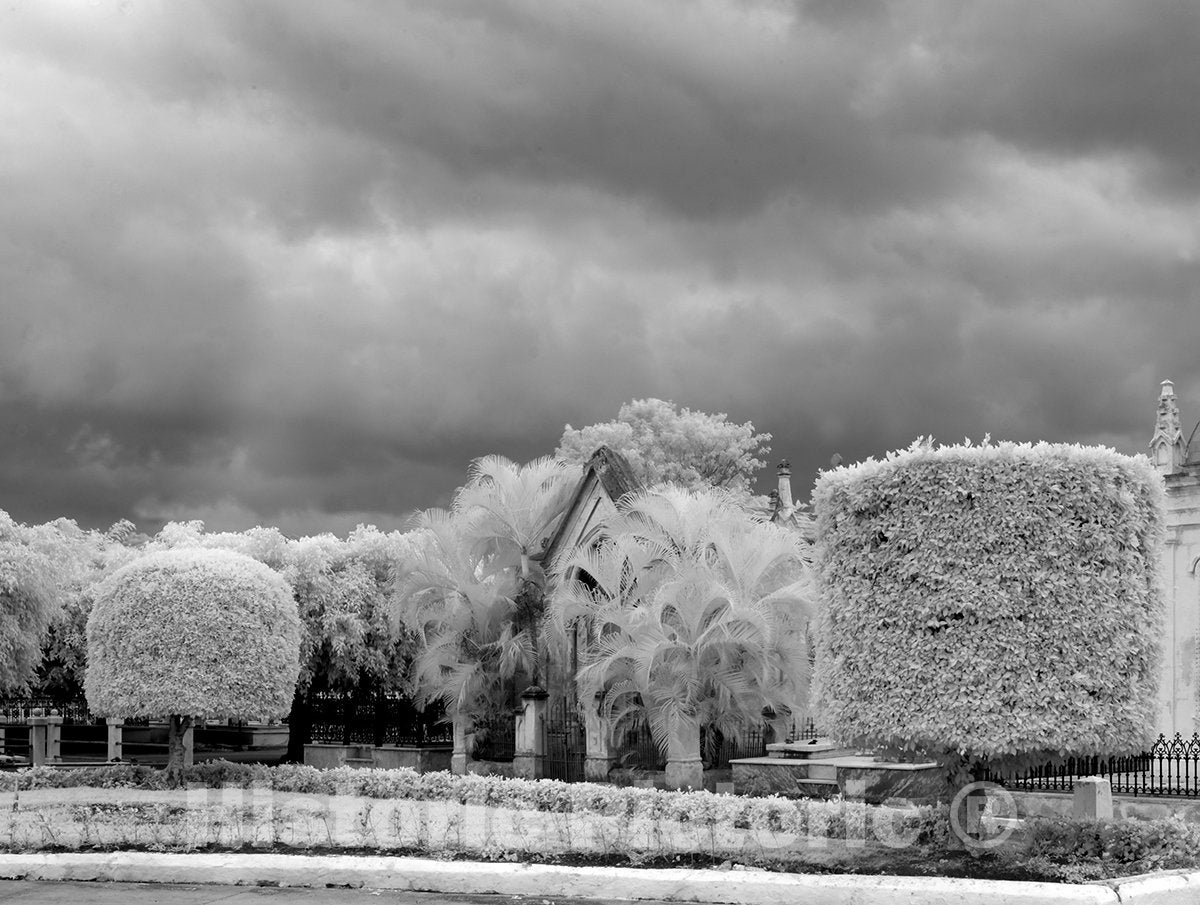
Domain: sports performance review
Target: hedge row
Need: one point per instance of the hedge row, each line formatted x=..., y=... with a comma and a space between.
x=833, y=819
x=1052, y=849
x=996, y=600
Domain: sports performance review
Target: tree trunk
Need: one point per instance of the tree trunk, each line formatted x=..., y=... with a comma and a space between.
x=530, y=606
x=177, y=726
x=685, y=769
x=299, y=728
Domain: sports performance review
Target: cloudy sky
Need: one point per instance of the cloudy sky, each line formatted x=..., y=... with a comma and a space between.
x=297, y=263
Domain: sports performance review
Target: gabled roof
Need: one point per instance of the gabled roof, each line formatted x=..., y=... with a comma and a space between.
x=607, y=473
x=614, y=472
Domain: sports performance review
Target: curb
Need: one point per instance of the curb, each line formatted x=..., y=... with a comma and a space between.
x=479, y=878
x=1168, y=888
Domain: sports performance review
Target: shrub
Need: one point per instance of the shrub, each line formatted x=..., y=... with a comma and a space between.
x=1079, y=851
x=992, y=600
x=925, y=825
x=185, y=633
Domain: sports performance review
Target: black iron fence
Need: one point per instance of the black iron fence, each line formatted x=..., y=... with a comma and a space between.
x=566, y=742
x=1170, y=768
x=496, y=738
x=804, y=730
x=381, y=719
x=19, y=710
x=14, y=740
x=718, y=749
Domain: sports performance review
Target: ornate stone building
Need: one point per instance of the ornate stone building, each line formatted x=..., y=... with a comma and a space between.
x=606, y=478
x=1178, y=460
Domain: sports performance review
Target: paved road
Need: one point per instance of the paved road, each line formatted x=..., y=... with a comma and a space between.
x=42, y=892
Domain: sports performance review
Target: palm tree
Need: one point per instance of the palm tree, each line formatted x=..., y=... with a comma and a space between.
x=460, y=605
x=697, y=614
x=508, y=512
x=511, y=509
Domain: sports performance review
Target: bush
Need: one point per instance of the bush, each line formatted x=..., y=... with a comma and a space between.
x=967, y=591
x=1079, y=851
x=206, y=632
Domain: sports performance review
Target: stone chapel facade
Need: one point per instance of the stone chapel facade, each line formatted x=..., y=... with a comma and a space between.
x=1178, y=461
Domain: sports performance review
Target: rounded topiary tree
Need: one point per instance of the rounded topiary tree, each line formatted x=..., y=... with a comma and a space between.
x=994, y=603
x=192, y=632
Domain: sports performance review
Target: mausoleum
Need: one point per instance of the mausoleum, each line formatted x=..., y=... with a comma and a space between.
x=1178, y=460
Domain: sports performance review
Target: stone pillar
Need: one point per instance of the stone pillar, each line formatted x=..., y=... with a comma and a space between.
x=786, y=504
x=463, y=739
x=529, y=759
x=37, y=737
x=54, y=737
x=598, y=735
x=116, y=738
x=685, y=769
x=1092, y=799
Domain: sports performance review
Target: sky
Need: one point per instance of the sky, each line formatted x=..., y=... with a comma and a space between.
x=298, y=262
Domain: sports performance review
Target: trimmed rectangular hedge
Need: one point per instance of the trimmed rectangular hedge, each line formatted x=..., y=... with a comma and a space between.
x=995, y=600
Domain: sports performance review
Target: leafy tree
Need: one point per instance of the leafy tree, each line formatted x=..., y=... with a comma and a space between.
x=186, y=632
x=28, y=603
x=46, y=572
x=83, y=559
x=697, y=616
x=664, y=443
x=349, y=643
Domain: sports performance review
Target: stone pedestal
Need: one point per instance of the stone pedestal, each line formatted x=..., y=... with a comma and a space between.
x=685, y=773
x=460, y=754
x=37, y=738
x=116, y=738
x=599, y=759
x=529, y=758
x=1092, y=799
x=685, y=769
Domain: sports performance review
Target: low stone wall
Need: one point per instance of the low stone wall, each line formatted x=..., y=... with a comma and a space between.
x=421, y=759
x=491, y=768
x=1059, y=804
x=326, y=757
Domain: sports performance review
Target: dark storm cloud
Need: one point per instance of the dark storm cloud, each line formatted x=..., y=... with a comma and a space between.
x=708, y=111
x=1072, y=78
x=299, y=263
